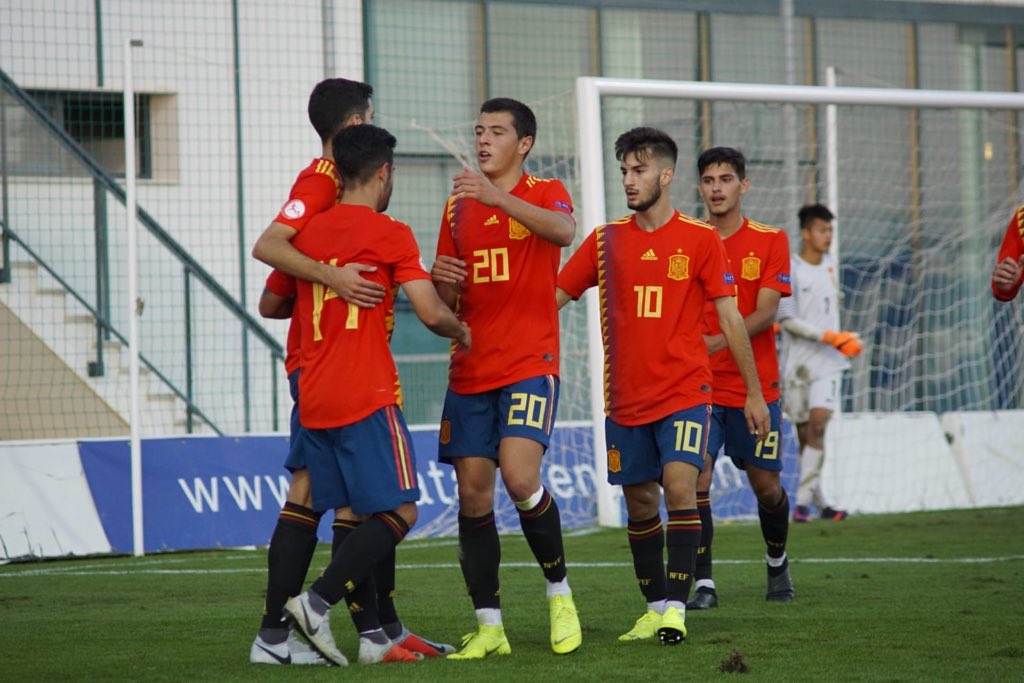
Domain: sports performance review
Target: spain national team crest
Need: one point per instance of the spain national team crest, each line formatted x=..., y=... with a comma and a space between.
x=445, y=436
x=678, y=267
x=516, y=230
x=614, y=460
x=751, y=268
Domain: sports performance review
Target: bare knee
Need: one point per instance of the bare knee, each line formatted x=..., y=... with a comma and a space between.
x=299, y=491
x=706, y=475
x=766, y=485
x=475, y=477
x=409, y=513
x=642, y=500
x=680, y=483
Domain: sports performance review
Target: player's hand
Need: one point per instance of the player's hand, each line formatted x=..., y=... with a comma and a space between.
x=847, y=343
x=465, y=338
x=715, y=342
x=448, y=270
x=347, y=281
x=1007, y=274
x=759, y=420
x=476, y=185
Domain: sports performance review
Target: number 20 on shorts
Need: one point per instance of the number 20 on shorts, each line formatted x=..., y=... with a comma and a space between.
x=527, y=409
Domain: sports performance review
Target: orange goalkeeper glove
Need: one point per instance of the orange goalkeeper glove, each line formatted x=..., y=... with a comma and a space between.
x=848, y=343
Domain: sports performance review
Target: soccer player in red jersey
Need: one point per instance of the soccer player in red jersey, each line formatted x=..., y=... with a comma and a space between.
x=655, y=271
x=497, y=262
x=361, y=455
x=333, y=104
x=1009, y=271
x=759, y=257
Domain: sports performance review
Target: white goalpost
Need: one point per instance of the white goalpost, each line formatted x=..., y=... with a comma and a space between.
x=916, y=299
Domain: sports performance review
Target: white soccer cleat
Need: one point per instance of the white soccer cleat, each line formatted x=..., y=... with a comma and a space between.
x=316, y=628
x=292, y=651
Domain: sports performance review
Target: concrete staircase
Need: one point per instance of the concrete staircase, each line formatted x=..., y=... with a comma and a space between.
x=47, y=340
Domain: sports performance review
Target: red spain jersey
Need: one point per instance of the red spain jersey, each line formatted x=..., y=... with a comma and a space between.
x=759, y=258
x=347, y=368
x=652, y=288
x=316, y=189
x=283, y=285
x=508, y=298
x=1012, y=247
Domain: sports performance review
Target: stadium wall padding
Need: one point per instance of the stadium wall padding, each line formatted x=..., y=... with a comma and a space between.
x=73, y=498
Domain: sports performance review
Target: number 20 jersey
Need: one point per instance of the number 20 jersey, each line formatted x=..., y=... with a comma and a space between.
x=508, y=297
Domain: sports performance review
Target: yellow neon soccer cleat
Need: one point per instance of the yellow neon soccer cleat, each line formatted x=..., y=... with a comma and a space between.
x=644, y=628
x=566, y=634
x=487, y=641
x=673, y=627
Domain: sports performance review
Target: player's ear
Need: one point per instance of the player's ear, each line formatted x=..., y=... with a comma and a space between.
x=525, y=145
x=666, y=175
x=744, y=186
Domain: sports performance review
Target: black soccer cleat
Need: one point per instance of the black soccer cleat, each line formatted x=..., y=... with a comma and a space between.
x=703, y=598
x=780, y=586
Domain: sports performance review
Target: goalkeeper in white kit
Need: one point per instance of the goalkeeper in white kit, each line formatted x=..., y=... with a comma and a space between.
x=815, y=353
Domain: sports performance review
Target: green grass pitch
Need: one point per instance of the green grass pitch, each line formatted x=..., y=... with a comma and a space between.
x=909, y=597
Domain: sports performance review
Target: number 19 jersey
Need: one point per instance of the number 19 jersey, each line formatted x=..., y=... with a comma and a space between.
x=508, y=297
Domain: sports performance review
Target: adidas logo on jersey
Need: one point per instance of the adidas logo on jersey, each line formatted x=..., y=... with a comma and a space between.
x=649, y=255
x=493, y=220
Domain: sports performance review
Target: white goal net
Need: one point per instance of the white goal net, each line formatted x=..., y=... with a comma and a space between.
x=922, y=183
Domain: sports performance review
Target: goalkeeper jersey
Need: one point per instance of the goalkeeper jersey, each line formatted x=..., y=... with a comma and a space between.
x=815, y=301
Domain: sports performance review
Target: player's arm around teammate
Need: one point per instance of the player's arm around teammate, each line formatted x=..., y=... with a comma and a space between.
x=334, y=104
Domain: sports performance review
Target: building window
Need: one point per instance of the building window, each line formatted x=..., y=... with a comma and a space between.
x=95, y=120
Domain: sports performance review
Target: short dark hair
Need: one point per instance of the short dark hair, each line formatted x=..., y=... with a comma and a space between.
x=647, y=142
x=522, y=116
x=360, y=150
x=333, y=101
x=808, y=213
x=723, y=155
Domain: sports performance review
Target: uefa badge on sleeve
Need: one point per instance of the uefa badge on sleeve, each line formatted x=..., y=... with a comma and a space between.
x=296, y=208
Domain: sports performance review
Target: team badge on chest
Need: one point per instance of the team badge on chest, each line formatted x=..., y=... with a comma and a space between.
x=751, y=268
x=516, y=230
x=678, y=267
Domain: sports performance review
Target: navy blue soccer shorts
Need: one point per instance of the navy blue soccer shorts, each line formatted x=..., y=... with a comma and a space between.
x=729, y=429
x=639, y=453
x=296, y=459
x=475, y=424
x=368, y=465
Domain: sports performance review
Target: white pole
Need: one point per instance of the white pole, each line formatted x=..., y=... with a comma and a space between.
x=789, y=114
x=588, y=113
x=135, y=309
x=832, y=164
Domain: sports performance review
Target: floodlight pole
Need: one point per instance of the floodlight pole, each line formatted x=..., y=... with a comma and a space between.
x=134, y=303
